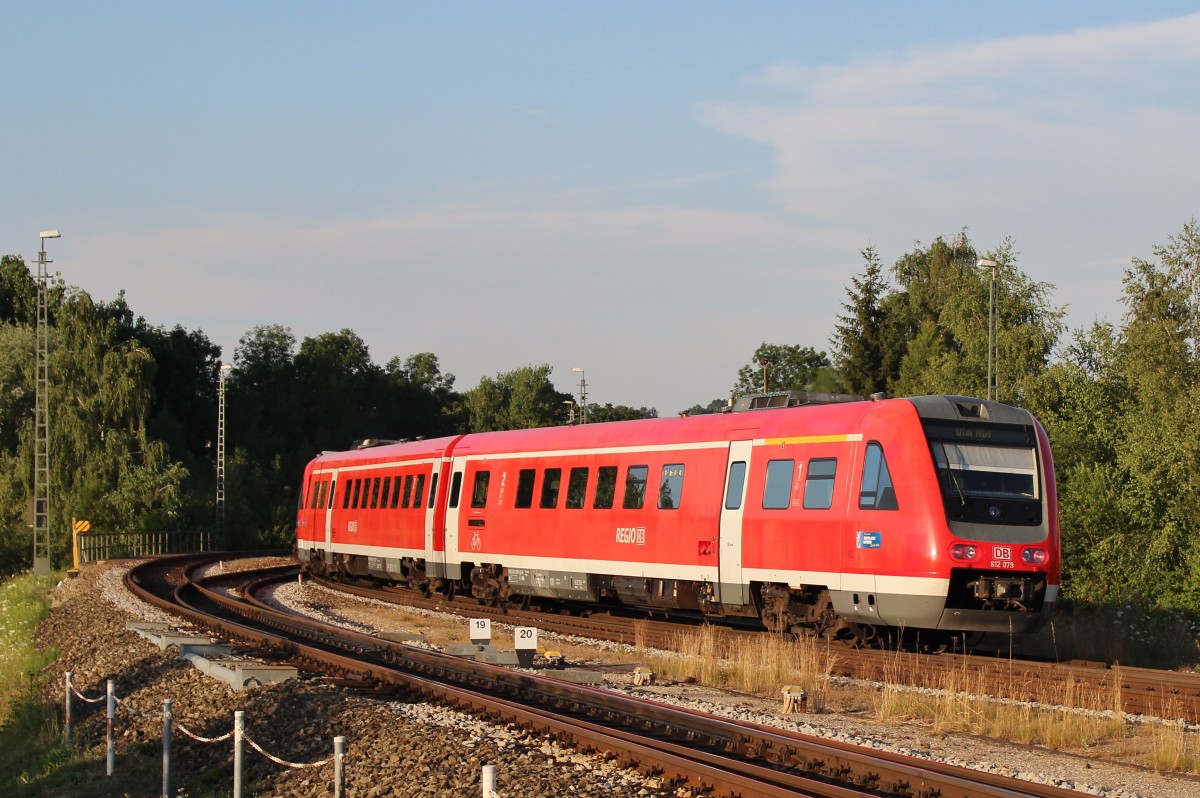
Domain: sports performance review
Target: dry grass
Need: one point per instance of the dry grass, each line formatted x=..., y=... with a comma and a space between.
x=757, y=664
x=1058, y=716
x=1062, y=716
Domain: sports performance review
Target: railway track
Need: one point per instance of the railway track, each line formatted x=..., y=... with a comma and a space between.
x=1136, y=691
x=708, y=754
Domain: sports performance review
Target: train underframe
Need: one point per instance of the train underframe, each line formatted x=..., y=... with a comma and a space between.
x=997, y=598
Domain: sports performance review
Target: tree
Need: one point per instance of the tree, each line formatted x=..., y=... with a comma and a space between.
x=789, y=367
x=858, y=342
x=18, y=292
x=423, y=400
x=598, y=414
x=520, y=399
x=935, y=324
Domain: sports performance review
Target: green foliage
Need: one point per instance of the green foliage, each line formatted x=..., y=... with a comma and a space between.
x=27, y=727
x=520, y=399
x=788, y=368
x=609, y=412
x=859, y=342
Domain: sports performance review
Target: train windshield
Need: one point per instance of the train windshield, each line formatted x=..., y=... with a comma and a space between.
x=1007, y=472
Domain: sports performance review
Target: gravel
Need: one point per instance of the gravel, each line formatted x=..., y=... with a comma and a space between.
x=404, y=749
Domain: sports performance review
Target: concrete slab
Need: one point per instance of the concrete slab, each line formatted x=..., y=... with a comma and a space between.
x=240, y=673
x=578, y=676
x=402, y=637
x=494, y=657
x=205, y=649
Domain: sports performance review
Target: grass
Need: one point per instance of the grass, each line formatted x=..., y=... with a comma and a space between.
x=757, y=664
x=30, y=732
x=1056, y=716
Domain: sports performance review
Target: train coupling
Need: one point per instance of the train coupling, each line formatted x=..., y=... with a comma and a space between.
x=1009, y=590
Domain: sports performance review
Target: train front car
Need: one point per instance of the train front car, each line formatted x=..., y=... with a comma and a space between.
x=995, y=479
x=908, y=521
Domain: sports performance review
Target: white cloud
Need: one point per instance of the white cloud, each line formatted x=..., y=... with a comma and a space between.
x=999, y=117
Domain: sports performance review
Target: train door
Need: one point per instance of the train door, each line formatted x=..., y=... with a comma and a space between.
x=731, y=587
x=435, y=550
x=454, y=491
x=327, y=516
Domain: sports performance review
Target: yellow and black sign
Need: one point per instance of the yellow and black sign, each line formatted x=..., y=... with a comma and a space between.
x=82, y=526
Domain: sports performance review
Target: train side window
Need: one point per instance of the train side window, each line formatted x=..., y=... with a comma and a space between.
x=418, y=491
x=606, y=487
x=670, y=490
x=818, y=483
x=395, y=502
x=375, y=493
x=359, y=500
x=737, y=481
x=525, y=487
x=455, y=488
x=385, y=493
x=551, y=478
x=318, y=495
x=346, y=494
x=330, y=495
x=480, y=489
x=635, y=487
x=433, y=488
x=876, y=491
x=777, y=493
x=577, y=488
x=407, y=500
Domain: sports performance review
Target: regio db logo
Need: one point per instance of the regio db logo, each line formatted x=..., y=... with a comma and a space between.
x=632, y=534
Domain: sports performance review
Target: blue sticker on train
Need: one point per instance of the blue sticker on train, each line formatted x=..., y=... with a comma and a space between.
x=870, y=540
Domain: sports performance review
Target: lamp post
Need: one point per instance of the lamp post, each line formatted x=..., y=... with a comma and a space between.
x=225, y=369
x=41, y=423
x=582, y=395
x=993, y=365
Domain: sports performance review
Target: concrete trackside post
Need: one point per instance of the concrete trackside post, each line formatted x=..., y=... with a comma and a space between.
x=166, y=790
x=339, y=767
x=112, y=711
x=489, y=781
x=67, y=712
x=239, y=719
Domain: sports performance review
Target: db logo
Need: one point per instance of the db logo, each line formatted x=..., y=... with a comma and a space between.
x=1001, y=553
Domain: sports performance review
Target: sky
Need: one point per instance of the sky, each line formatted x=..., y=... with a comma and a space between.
x=644, y=190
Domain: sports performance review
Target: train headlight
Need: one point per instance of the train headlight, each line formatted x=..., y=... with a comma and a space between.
x=1035, y=556
x=962, y=551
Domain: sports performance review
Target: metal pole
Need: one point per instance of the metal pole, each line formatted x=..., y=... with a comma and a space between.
x=489, y=781
x=239, y=719
x=112, y=711
x=339, y=767
x=993, y=359
x=67, y=711
x=166, y=791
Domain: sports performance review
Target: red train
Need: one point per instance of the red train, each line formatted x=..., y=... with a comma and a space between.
x=936, y=514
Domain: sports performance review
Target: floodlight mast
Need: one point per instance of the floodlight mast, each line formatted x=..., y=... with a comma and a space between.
x=41, y=421
x=993, y=365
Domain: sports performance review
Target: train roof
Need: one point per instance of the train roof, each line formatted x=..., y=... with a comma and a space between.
x=820, y=419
